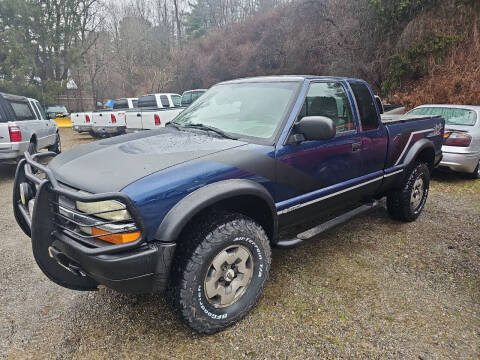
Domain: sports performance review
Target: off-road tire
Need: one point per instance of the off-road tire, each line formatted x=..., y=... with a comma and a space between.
x=197, y=248
x=399, y=201
x=57, y=147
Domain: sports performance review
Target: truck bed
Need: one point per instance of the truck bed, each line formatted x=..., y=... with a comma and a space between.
x=392, y=119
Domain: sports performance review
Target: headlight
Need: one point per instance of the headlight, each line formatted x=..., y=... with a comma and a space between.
x=108, y=209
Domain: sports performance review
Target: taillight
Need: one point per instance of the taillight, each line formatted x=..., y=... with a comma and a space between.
x=157, y=119
x=113, y=118
x=457, y=139
x=87, y=118
x=15, y=133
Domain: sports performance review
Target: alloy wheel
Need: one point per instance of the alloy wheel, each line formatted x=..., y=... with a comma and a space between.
x=228, y=276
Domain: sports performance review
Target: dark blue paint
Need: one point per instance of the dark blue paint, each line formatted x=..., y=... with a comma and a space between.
x=331, y=165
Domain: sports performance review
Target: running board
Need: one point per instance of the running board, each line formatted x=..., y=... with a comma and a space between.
x=311, y=233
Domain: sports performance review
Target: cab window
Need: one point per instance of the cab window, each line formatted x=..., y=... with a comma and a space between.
x=329, y=99
x=177, y=100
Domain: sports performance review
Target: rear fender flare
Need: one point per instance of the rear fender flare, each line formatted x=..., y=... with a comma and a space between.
x=178, y=216
x=416, y=149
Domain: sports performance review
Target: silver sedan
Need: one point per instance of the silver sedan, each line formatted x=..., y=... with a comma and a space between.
x=461, y=145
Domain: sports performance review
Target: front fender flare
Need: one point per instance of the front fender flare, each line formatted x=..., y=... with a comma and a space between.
x=178, y=216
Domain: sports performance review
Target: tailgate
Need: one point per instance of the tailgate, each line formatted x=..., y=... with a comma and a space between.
x=120, y=116
x=134, y=119
x=101, y=118
x=77, y=119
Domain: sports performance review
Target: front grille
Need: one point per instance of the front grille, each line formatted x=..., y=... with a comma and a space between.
x=75, y=224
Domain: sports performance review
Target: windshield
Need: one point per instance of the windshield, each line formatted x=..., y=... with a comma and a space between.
x=247, y=109
x=57, y=109
x=452, y=116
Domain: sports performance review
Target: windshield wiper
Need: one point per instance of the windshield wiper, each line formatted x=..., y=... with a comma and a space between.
x=209, y=128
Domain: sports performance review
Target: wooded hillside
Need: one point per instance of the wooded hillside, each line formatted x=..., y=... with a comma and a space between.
x=411, y=51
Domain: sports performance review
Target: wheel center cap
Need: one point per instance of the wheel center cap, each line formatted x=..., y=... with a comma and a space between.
x=229, y=275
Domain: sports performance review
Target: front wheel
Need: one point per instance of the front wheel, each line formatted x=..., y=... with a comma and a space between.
x=220, y=272
x=407, y=203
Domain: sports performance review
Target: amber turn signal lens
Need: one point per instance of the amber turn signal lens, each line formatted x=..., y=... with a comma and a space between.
x=120, y=238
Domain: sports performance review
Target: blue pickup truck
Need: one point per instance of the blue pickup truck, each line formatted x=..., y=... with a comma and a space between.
x=194, y=208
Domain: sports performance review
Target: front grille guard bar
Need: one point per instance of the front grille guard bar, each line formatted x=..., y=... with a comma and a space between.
x=30, y=164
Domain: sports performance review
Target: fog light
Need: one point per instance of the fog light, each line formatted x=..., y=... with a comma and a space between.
x=25, y=193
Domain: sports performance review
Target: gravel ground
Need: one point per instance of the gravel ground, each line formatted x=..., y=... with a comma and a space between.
x=372, y=288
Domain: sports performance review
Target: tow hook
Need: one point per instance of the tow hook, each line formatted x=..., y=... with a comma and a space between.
x=64, y=262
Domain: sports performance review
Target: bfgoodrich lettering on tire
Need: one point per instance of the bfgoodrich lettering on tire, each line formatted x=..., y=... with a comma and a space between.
x=220, y=271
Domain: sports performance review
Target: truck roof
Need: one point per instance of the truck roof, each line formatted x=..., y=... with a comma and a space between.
x=13, y=97
x=284, y=78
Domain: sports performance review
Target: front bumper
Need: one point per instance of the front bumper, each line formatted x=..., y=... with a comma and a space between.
x=461, y=162
x=137, y=267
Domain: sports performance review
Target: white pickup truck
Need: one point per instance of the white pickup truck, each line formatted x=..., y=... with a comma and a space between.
x=154, y=111
x=82, y=122
x=112, y=122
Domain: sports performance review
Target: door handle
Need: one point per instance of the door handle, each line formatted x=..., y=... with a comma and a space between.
x=356, y=147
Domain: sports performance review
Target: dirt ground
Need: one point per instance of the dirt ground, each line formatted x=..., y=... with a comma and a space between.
x=371, y=288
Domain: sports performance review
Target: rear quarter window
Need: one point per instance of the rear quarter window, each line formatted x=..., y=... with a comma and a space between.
x=366, y=106
x=164, y=101
x=22, y=110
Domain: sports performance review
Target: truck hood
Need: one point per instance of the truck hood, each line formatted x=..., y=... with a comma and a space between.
x=112, y=164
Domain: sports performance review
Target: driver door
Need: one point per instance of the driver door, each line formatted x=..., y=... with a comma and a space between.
x=314, y=170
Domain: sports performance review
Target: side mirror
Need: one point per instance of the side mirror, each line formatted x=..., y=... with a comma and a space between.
x=316, y=128
x=379, y=104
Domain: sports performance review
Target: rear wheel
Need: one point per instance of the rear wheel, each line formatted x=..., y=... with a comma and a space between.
x=32, y=147
x=57, y=147
x=407, y=203
x=220, y=271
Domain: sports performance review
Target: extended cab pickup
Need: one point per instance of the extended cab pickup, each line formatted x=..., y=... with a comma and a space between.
x=112, y=122
x=196, y=206
x=154, y=111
